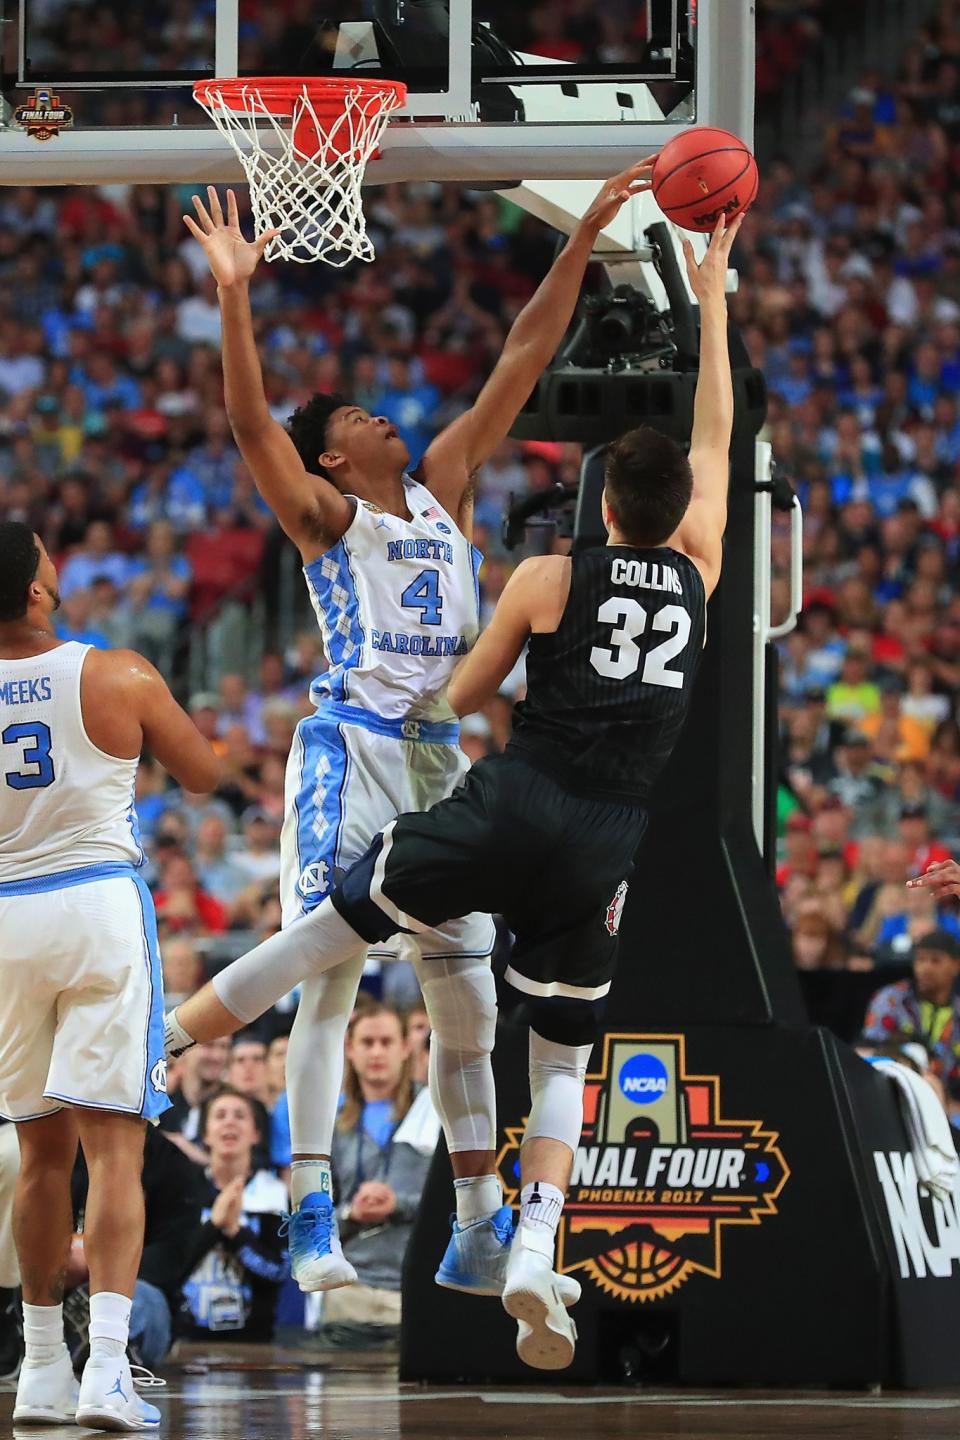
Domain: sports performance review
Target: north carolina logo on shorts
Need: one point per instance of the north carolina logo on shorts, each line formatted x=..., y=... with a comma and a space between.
x=615, y=908
x=313, y=878
x=158, y=1077
x=410, y=729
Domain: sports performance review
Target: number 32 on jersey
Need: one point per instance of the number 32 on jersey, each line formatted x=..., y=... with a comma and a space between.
x=622, y=656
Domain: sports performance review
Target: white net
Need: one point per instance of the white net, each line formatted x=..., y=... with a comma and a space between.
x=305, y=167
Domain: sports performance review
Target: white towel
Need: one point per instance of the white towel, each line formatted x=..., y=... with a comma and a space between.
x=931, y=1138
x=420, y=1127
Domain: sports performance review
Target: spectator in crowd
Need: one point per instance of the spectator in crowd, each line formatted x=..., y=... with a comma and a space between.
x=926, y=1007
x=418, y=1038
x=236, y=1257
x=384, y=1140
x=183, y=969
x=183, y=904
x=217, y=870
x=248, y=1066
x=280, y=1147
x=191, y=1081
x=75, y=621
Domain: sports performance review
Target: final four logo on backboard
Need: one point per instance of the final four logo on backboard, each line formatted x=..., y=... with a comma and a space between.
x=43, y=116
x=659, y=1173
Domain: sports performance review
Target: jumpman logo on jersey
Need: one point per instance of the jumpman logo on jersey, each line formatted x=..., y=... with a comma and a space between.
x=382, y=523
x=117, y=1389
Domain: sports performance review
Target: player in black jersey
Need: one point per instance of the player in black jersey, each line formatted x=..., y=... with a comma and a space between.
x=546, y=833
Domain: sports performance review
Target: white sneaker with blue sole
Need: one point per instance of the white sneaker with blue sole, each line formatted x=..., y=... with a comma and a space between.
x=108, y=1398
x=475, y=1262
x=316, y=1255
x=46, y=1394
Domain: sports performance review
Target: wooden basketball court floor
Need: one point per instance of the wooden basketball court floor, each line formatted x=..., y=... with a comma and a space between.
x=274, y=1393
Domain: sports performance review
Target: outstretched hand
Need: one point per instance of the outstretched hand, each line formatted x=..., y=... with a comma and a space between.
x=708, y=280
x=943, y=879
x=231, y=257
x=616, y=192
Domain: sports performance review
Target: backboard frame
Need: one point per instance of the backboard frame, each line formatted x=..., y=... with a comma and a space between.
x=468, y=151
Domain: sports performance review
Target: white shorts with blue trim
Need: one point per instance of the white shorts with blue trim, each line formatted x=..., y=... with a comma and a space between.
x=81, y=996
x=349, y=774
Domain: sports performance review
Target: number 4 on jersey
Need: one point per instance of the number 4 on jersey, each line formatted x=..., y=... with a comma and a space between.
x=423, y=594
x=621, y=657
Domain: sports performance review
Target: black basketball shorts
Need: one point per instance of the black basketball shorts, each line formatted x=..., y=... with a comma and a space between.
x=514, y=842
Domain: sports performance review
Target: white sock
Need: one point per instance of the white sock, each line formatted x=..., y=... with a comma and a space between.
x=541, y=1205
x=478, y=1197
x=263, y=976
x=109, y=1323
x=175, y=1038
x=43, y=1333
x=308, y=1177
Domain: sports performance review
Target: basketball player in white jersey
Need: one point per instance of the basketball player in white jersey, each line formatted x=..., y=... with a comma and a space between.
x=392, y=576
x=81, y=999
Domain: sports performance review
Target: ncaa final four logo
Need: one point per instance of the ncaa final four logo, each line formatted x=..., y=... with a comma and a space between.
x=659, y=1173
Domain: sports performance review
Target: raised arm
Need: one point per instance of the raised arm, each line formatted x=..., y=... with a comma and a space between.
x=530, y=346
x=312, y=511
x=701, y=533
x=532, y=601
x=127, y=704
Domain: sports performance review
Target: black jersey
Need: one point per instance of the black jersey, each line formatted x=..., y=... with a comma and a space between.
x=609, y=689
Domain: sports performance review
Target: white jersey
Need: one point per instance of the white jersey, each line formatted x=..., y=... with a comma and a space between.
x=398, y=605
x=64, y=804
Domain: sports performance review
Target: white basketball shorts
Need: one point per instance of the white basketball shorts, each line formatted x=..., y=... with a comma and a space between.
x=349, y=774
x=81, y=995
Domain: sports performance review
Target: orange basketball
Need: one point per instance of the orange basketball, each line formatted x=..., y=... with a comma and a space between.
x=703, y=174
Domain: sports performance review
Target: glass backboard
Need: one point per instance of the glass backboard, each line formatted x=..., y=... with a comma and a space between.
x=497, y=90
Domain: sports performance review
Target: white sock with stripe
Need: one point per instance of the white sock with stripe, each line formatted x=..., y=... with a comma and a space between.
x=541, y=1205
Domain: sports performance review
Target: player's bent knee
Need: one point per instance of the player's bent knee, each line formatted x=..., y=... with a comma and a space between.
x=557, y=1074
x=461, y=1001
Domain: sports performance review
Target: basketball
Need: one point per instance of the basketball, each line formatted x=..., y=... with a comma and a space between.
x=703, y=174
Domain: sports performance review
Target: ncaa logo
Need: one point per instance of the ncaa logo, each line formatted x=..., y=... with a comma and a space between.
x=444, y=529
x=643, y=1079
x=158, y=1077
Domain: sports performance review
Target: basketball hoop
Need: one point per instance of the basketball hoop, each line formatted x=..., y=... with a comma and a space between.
x=304, y=146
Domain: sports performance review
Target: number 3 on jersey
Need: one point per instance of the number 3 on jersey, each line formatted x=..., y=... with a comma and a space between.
x=423, y=594
x=622, y=656
x=36, y=769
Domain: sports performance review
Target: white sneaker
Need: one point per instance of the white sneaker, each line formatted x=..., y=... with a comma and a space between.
x=533, y=1295
x=46, y=1394
x=108, y=1400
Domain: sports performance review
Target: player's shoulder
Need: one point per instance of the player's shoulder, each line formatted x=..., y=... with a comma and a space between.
x=541, y=572
x=539, y=589
x=120, y=670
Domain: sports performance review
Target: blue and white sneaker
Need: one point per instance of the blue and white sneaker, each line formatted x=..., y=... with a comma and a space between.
x=476, y=1258
x=316, y=1255
x=108, y=1397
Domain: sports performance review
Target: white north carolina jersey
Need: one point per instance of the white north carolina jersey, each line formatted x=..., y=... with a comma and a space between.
x=398, y=605
x=63, y=803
